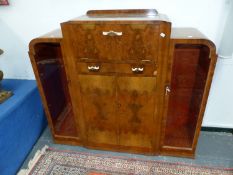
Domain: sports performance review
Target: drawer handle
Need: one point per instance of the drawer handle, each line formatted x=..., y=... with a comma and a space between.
x=112, y=33
x=137, y=69
x=93, y=68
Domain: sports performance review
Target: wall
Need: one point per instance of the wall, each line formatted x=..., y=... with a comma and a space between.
x=24, y=20
x=219, y=110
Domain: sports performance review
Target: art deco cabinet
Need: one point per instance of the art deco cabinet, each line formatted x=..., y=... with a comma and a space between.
x=124, y=80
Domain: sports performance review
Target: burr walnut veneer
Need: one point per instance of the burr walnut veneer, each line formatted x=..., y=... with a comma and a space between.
x=124, y=80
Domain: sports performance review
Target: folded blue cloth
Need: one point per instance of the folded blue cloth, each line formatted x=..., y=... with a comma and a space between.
x=22, y=120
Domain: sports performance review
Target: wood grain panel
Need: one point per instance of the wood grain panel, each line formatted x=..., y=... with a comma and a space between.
x=99, y=110
x=136, y=104
x=137, y=42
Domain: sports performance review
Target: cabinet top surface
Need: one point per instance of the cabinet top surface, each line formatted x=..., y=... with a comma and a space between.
x=122, y=15
x=186, y=33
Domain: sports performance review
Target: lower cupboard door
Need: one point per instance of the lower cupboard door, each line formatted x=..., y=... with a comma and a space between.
x=136, y=111
x=98, y=95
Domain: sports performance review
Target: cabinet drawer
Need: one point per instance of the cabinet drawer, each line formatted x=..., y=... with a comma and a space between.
x=134, y=69
x=95, y=68
x=114, y=41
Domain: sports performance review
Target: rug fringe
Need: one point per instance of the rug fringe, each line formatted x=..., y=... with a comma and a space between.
x=33, y=161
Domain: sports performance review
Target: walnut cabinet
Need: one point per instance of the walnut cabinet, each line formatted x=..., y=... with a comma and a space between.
x=124, y=80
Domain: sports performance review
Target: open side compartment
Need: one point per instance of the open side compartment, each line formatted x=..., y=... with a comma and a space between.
x=190, y=68
x=52, y=75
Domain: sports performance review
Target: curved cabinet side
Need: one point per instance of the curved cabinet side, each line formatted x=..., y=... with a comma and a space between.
x=190, y=70
x=47, y=61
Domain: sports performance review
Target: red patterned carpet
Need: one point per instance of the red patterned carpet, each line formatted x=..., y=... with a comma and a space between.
x=56, y=162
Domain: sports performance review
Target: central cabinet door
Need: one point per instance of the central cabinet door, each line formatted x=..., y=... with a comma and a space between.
x=136, y=111
x=119, y=110
x=98, y=95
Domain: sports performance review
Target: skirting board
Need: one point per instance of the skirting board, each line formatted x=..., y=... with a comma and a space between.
x=216, y=129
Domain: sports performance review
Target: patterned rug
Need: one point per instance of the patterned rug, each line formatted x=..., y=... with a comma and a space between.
x=50, y=161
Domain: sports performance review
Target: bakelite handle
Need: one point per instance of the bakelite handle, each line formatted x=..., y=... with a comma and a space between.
x=93, y=68
x=137, y=69
x=112, y=33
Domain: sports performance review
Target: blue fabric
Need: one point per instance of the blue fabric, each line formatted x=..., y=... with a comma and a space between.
x=22, y=120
